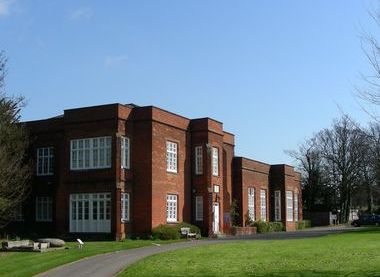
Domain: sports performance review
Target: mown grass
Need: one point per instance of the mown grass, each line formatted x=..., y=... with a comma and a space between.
x=29, y=264
x=348, y=254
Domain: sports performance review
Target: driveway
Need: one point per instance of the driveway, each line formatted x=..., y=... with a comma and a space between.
x=112, y=263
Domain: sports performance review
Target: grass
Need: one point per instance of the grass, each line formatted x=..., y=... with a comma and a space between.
x=348, y=254
x=29, y=264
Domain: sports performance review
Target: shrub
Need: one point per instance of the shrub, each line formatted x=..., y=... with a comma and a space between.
x=172, y=232
x=234, y=213
x=303, y=224
x=266, y=227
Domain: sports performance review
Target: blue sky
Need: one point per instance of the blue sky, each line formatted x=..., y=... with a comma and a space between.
x=274, y=72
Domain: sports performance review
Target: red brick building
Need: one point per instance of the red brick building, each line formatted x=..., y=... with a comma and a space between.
x=121, y=170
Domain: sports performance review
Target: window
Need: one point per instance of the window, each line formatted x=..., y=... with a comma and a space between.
x=296, y=207
x=125, y=207
x=90, y=213
x=91, y=153
x=44, y=209
x=45, y=161
x=171, y=156
x=263, y=202
x=16, y=214
x=277, y=205
x=171, y=208
x=125, y=153
x=289, y=206
x=198, y=160
x=215, y=161
x=251, y=203
x=199, y=208
x=216, y=189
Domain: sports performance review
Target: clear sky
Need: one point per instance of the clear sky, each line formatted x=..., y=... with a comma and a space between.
x=273, y=71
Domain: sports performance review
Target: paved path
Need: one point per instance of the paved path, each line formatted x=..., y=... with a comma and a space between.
x=110, y=264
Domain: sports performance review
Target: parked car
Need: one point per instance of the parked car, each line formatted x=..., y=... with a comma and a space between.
x=366, y=220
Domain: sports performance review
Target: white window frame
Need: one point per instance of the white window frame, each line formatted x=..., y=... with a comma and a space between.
x=44, y=209
x=199, y=208
x=215, y=161
x=251, y=203
x=277, y=205
x=263, y=205
x=295, y=207
x=198, y=160
x=125, y=155
x=289, y=206
x=171, y=156
x=172, y=208
x=91, y=153
x=45, y=161
x=125, y=206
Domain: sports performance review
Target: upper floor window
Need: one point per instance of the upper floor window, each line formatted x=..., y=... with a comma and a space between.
x=125, y=152
x=251, y=203
x=295, y=207
x=215, y=161
x=171, y=208
x=171, y=156
x=90, y=153
x=45, y=161
x=199, y=208
x=44, y=209
x=125, y=207
x=198, y=160
x=289, y=206
x=263, y=200
x=277, y=205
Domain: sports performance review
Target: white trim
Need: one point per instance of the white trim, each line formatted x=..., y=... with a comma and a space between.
x=125, y=149
x=90, y=153
x=289, y=206
x=295, y=207
x=277, y=205
x=125, y=206
x=172, y=208
x=215, y=161
x=251, y=203
x=199, y=208
x=263, y=205
x=171, y=156
x=45, y=161
x=198, y=160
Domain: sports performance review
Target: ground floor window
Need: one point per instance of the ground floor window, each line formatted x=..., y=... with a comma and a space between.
x=171, y=208
x=199, y=208
x=263, y=200
x=251, y=203
x=277, y=205
x=296, y=207
x=44, y=209
x=90, y=213
x=124, y=207
x=289, y=206
x=17, y=214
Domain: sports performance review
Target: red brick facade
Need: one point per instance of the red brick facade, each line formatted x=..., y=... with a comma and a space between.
x=147, y=180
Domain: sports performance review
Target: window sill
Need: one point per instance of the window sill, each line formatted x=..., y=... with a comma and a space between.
x=172, y=222
x=125, y=221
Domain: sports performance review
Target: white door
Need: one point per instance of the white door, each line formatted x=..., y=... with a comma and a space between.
x=216, y=218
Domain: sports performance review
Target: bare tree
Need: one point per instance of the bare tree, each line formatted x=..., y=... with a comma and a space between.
x=14, y=167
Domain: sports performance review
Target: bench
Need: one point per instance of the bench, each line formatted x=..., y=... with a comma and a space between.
x=185, y=232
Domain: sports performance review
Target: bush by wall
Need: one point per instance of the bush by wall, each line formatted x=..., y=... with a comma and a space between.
x=303, y=224
x=171, y=231
x=267, y=227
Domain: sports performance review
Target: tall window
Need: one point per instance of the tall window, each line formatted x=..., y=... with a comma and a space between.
x=289, y=206
x=44, y=209
x=277, y=205
x=91, y=153
x=215, y=161
x=171, y=208
x=171, y=156
x=251, y=203
x=125, y=153
x=17, y=214
x=198, y=160
x=125, y=207
x=296, y=207
x=199, y=208
x=263, y=202
x=45, y=161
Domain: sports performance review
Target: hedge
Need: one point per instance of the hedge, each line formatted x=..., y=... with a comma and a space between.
x=268, y=227
x=303, y=224
x=172, y=231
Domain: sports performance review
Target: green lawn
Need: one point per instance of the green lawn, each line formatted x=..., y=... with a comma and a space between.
x=348, y=254
x=29, y=264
